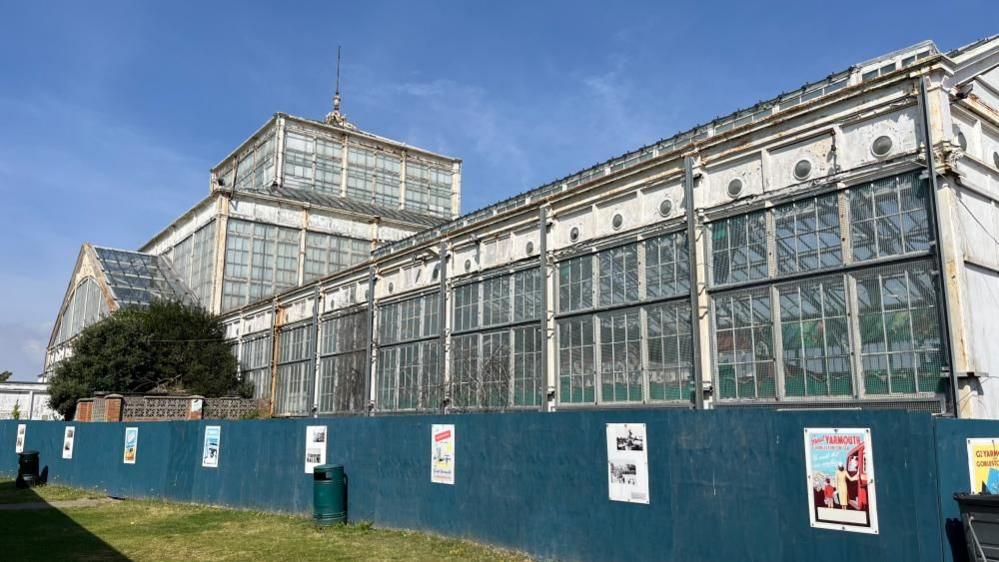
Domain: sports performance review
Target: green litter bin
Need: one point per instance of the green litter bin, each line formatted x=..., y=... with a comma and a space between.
x=329, y=494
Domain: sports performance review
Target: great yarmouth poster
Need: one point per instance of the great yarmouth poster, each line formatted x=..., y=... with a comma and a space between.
x=442, y=454
x=983, y=465
x=839, y=465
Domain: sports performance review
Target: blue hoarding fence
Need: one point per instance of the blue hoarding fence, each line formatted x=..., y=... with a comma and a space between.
x=723, y=485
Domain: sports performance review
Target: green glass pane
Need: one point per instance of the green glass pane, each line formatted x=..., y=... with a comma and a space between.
x=903, y=373
x=726, y=381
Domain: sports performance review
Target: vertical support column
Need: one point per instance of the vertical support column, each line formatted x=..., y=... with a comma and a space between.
x=317, y=310
x=402, y=180
x=279, y=124
x=696, y=287
x=547, y=314
x=444, y=330
x=221, y=233
x=369, y=364
x=940, y=246
x=302, y=233
x=343, y=166
x=455, y=189
x=276, y=314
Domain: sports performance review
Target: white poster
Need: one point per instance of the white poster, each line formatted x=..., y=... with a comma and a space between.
x=839, y=472
x=627, y=463
x=19, y=444
x=442, y=454
x=315, y=447
x=67, y=442
x=210, y=453
x=131, y=445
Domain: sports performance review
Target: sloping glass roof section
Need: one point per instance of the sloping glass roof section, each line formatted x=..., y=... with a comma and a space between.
x=138, y=278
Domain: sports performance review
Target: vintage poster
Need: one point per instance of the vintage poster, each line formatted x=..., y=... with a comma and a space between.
x=22, y=429
x=839, y=466
x=627, y=463
x=67, y=442
x=315, y=447
x=210, y=454
x=983, y=465
x=442, y=453
x=131, y=444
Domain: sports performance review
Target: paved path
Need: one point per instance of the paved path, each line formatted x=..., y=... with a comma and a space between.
x=55, y=504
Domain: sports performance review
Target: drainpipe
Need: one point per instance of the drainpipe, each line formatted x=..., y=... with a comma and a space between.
x=938, y=230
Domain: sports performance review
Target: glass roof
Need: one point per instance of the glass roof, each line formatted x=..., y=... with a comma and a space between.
x=138, y=278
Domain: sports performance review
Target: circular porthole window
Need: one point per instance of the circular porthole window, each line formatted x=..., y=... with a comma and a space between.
x=803, y=169
x=962, y=141
x=574, y=233
x=881, y=146
x=468, y=265
x=419, y=273
x=734, y=187
x=666, y=207
x=391, y=287
x=617, y=221
x=436, y=273
x=529, y=248
x=995, y=159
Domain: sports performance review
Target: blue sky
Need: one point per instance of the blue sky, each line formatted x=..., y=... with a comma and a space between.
x=112, y=113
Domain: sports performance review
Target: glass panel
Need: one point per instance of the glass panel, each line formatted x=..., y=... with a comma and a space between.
x=744, y=338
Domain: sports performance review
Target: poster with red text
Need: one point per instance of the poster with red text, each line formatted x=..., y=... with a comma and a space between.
x=442, y=454
x=839, y=466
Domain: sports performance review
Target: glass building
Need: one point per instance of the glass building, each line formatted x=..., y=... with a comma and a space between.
x=832, y=247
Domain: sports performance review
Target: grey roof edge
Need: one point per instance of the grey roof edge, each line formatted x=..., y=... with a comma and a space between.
x=210, y=198
x=272, y=121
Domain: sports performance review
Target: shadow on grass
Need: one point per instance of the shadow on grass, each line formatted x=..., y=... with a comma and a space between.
x=29, y=531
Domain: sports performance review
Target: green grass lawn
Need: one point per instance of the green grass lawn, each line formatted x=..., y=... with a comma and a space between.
x=153, y=530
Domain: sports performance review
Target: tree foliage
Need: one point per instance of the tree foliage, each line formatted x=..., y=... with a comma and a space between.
x=164, y=347
x=5, y=376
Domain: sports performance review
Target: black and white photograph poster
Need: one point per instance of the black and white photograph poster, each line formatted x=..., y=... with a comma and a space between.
x=627, y=463
x=315, y=447
x=67, y=442
x=22, y=430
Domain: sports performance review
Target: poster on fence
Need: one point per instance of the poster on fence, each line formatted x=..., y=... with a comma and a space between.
x=68, y=436
x=983, y=465
x=627, y=463
x=131, y=445
x=839, y=467
x=442, y=454
x=210, y=453
x=315, y=447
x=22, y=429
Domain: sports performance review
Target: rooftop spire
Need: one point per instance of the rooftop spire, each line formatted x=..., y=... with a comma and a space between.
x=335, y=117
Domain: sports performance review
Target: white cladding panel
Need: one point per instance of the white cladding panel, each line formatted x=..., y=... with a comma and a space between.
x=817, y=151
x=257, y=211
x=322, y=222
x=749, y=171
x=900, y=126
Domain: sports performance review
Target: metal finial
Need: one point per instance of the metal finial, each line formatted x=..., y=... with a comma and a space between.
x=336, y=117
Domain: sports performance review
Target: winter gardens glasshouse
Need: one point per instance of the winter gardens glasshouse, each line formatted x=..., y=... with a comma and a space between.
x=834, y=246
